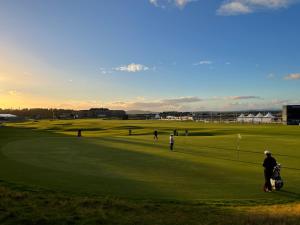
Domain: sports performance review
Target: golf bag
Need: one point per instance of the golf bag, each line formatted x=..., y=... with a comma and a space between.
x=276, y=180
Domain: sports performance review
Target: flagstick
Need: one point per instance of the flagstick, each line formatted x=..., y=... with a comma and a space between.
x=239, y=137
x=238, y=149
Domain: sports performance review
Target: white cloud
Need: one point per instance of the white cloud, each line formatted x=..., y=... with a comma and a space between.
x=293, y=76
x=164, y=3
x=154, y=2
x=237, y=7
x=132, y=68
x=182, y=3
x=233, y=8
x=271, y=76
x=203, y=62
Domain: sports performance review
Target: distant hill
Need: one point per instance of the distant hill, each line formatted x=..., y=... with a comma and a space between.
x=135, y=112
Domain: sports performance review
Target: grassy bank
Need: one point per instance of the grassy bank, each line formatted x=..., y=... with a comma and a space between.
x=42, y=208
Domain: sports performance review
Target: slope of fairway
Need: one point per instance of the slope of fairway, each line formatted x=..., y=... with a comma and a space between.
x=106, y=161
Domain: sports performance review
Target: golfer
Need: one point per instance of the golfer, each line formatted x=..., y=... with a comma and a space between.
x=269, y=164
x=186, y=132
x=79, y=133
x=155, y=135
x=171, y=142
x=175, y=133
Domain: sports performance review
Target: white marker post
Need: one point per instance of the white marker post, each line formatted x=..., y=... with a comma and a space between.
x=239, y=137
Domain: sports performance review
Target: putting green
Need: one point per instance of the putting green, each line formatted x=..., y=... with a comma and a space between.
x=106, y=161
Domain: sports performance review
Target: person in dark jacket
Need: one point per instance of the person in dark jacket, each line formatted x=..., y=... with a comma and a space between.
x=155, y=135
x=171, y=142
x=79, y=133
x=269, y=164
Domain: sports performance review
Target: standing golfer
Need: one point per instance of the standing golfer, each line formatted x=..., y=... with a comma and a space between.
x=186, y=132
x=79, y=133
x=171, y=142
x=269, y=164
x=175, y=133
x=155, y=133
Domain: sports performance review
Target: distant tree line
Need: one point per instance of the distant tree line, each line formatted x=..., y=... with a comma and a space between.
x=45, y=113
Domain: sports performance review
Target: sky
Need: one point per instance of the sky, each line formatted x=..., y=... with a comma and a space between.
x=157, y=55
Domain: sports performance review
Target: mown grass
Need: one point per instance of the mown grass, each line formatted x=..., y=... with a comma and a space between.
x=109, y=177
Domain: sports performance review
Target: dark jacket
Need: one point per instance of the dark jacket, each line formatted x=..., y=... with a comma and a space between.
x=269, y=163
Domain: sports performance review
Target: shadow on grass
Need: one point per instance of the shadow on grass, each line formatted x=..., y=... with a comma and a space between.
x=42, y=208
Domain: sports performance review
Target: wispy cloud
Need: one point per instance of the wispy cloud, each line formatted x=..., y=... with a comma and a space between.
x=238, y=7
x=154, y=2
x=271, y=76
x=292, y=76
x=203, y=62
x=133, y=67
x=182, y=100
x=165, y=3
x=157, y=105
x=237, y=97
x=243, y=97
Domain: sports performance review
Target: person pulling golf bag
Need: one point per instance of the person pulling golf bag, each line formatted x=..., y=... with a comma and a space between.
x=276, y=180
x=269, y=164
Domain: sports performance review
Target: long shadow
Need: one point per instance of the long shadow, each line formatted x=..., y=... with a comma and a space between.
x=221, y=148
x=289, y=194
x=22, y=174
x=203, y=154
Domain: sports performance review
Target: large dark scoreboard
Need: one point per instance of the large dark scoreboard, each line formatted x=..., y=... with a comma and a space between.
x=291, y=114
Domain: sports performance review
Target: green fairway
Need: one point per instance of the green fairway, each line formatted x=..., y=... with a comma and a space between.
x=107, y=161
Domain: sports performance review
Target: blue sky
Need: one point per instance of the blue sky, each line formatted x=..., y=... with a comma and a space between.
x=150, y=54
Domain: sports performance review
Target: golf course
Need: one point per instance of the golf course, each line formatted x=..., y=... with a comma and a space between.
x=214, y=164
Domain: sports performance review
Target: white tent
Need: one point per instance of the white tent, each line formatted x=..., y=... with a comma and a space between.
x=241, y=118
x=250, y=118
x=269, y=118
x=7, y=116
x=258, y=118
x=157, y=116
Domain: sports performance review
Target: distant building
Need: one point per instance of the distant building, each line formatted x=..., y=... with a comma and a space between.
x=179, y=118
x=157, y=116
x=291, y=114
x=101, y=113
